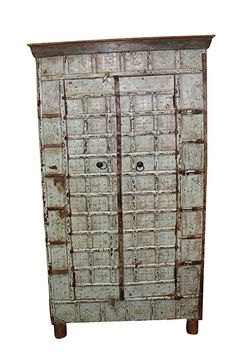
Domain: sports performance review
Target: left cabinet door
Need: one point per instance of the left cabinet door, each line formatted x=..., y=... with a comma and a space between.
x=91, y=151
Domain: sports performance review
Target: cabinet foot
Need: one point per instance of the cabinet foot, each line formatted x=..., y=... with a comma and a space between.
x=192, y=326
x=60, y=330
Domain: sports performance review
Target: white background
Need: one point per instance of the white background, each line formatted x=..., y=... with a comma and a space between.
x=25, y=324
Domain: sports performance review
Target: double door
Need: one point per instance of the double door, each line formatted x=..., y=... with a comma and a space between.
x=122, y=163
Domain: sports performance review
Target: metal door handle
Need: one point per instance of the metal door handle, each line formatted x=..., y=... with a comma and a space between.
x=140, y=166
x=101, y=165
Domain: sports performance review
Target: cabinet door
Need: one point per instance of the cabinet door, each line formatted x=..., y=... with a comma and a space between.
x=148, y=185
x=90, y=115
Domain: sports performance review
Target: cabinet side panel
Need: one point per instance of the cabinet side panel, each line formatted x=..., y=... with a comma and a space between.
x=53, y=168
x=192, y=177
x=204, y=93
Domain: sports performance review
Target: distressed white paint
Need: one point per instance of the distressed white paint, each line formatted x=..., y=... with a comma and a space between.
x=149, y=198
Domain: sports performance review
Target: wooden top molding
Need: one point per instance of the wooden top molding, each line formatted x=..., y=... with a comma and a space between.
x=40, y=50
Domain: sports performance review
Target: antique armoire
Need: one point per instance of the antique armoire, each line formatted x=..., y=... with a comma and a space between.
x=123, y=142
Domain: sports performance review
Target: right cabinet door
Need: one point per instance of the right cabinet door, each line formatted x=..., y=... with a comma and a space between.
x=149, y=163
x=163, y=181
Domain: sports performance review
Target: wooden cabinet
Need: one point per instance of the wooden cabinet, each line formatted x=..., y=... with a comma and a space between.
x=123, y=149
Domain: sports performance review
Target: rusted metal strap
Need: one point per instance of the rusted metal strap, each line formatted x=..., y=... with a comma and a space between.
x=57, y=271
x=49, y=115
x=55, y=175
x=190, y=172
x=52, y=146
x=62, y=211
x=119, y=187
x=188, y=263
x=190, y=111
x=57, y=242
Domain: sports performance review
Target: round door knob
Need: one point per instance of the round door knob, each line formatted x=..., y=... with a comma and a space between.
x=101, y=165
x=139, y=166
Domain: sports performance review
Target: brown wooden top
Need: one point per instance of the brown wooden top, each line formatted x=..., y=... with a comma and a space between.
x=40, y=50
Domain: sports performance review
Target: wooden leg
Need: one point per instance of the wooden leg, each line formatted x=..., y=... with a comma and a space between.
x=60, y=330
x=192, y=326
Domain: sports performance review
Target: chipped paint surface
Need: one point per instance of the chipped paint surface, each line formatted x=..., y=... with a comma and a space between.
x=123, y=149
